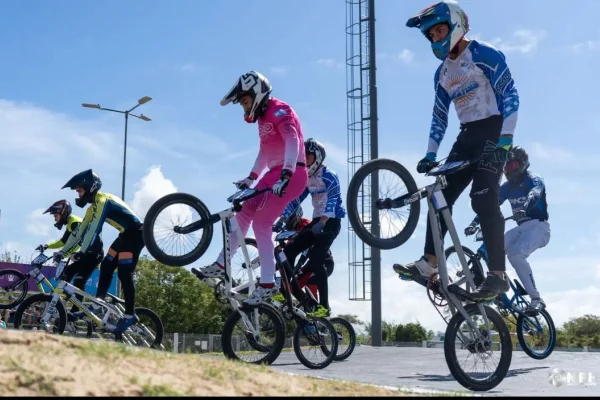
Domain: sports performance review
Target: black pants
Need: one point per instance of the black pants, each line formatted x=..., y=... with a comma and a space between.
x=124, y=253
x=320, y=245
x=81, y=270
x=474, y=139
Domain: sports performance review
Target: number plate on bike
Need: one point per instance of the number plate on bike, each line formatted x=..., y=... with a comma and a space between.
x=42, y=258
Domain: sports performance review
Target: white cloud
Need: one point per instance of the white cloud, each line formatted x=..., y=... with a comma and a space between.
x=554, y=154
x=588, y=45
x=329, y=63
x=150, y=188
x=406, y=56
x=522, y=41
x=39, y=224
x=278, y=70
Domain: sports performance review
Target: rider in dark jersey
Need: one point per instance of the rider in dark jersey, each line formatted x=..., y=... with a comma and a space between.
x=123, y=252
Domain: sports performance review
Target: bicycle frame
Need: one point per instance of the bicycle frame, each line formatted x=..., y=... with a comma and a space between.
x=437, y=206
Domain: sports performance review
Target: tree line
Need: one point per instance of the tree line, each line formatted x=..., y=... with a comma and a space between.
x=186, y=305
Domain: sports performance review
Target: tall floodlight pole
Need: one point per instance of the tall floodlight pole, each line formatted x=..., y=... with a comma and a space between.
x=127, y=113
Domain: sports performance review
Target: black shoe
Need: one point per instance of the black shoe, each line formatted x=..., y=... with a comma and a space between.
x=491, y=287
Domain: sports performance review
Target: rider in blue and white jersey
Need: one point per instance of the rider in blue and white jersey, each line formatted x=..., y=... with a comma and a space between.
x=328, y=211
x=526, y=194
x=475, y=77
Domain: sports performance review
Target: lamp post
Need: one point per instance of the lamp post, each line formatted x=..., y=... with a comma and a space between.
x=127, y=113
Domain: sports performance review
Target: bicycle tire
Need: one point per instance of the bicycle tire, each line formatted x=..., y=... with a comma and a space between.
x=526, y=349
x=350, y=350
x=160, y=329
x=505, y=355
x=235, y=316
x=23, y=281
x=353, y=206
x=330, y=356
x=42, y=297
x=150, y=220
x=476, y=268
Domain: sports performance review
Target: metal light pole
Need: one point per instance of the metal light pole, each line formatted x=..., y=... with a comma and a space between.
x=127, y=113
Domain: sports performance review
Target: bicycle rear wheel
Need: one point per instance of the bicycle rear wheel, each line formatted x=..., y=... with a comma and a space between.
x=344, y=339
x=529, y=326
x=27, y=308
x=151, y=220
x=360, y=186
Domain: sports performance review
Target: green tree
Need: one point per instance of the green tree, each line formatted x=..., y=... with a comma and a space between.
x=412, y=332
x=182, y=301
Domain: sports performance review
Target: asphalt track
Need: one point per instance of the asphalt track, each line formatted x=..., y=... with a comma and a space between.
x=425, y=369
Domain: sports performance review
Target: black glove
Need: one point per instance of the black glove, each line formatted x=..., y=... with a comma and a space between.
x=58, y=256
x=520, y=214
x=471, y=229
x=42, y=247
x=502, y=151
x=426, y=163
x=278, y=226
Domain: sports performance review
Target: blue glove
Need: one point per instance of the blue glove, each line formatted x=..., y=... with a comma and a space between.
x=278, y=226
x=502, y=151
x=425, y=164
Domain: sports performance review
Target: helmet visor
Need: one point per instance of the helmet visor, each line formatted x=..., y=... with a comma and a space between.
x=511, y=167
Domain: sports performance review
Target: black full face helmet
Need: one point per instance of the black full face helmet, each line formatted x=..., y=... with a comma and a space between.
x=517, y=166
x=63, y=209
x=89, y=182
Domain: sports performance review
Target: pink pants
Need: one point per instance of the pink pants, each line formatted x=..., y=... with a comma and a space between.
x=262, y=211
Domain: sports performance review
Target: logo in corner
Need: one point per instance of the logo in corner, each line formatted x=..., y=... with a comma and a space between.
x=557, y=377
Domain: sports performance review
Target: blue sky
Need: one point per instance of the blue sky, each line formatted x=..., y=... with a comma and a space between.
x=56, y=56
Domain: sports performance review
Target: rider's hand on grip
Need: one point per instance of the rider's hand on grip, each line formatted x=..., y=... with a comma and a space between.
x=281, y=184
x=244, y=183
x=57, y=257
x=470, y=230
x=426, y=163
x=278, y=226
x=41, y=247
x=520, y=214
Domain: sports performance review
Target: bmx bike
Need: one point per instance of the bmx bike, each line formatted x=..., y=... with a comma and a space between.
x=477, y=339
x=224, y=290
x=512, y=309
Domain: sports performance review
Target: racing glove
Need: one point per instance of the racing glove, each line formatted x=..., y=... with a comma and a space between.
x=244, y=183
x=502, y=151
x=426, y=163
x=281, y=184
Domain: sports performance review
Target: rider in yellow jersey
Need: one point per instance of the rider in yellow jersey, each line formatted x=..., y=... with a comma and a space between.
x=83, y=264
x=123, y=252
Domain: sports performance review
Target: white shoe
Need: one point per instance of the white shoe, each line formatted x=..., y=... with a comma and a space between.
x=213, y=271
x=260, y=295
x=535, y=306
x=421, y=267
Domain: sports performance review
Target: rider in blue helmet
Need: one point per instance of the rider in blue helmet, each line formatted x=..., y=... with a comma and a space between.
x=474, y=76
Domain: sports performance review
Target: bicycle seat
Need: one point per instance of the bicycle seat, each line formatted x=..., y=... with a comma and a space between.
x=115, y=298
x=448, y=168
x=520, y=289
x=283, y=235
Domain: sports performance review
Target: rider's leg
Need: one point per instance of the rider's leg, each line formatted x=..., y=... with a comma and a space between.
x=264, y=217
x=457, y=183
x=484, y=201
x=534, y=235
x=85, y=268
x=316, y=263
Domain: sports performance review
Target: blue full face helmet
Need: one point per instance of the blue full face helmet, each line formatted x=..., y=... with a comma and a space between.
x=448, y=12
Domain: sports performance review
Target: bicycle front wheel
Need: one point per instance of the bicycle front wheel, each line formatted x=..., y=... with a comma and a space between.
x=30, y=311
x=390, y=218
x=13, y=288
x=320, y=334
x=531, y=329
x=180, y=217
x=470, y=344
x=346, y=337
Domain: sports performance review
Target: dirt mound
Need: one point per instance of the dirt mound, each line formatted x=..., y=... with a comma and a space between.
x=38, y=364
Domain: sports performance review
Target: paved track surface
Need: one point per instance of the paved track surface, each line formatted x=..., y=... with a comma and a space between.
x=421, y=368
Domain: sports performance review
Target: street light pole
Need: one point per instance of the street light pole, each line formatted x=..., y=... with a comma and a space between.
x=127, y=113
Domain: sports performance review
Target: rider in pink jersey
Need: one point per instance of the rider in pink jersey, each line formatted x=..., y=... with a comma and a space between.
x=282, y=152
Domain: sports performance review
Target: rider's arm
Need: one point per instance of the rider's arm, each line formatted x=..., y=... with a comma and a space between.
x=289, y=134
x=493, y=64
x=535, y=193
x=260, y=164
x=439, y=122
x=332, y=185
x=72, y=243
x=293, y=205
x=57, y=244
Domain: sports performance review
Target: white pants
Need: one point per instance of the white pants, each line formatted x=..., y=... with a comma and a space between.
x=519, y=243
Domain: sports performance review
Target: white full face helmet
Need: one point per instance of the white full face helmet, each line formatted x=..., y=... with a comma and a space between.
x=314, y=147
x=257, y=86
